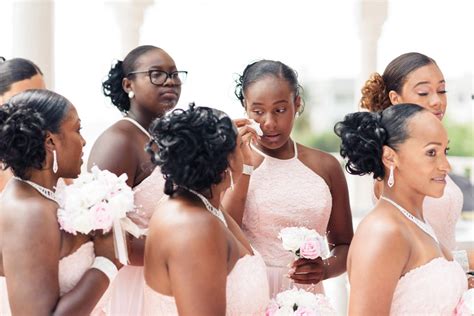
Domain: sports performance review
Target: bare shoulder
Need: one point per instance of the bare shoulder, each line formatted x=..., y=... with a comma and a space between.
x=117, y=136
x=321, y=162
x=184, y=226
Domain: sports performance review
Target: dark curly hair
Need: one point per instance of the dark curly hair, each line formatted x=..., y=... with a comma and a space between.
x=191, y=147
x=112, y=86
x=364, y=134
x=265, y=68
x=24, y=121
x=375, y=90
x=14, y=70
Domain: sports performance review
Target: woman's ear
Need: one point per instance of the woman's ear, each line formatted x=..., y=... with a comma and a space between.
x=127, y=85
x=394, y=97
x=298, y=104
x=389, y=157
x=50, y=142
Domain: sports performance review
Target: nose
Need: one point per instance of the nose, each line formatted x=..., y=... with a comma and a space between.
x=444, y=164
x=83, y=140
x=268, y=122
x=436, y=101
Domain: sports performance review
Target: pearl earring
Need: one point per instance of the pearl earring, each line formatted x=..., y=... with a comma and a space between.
x=131, y=94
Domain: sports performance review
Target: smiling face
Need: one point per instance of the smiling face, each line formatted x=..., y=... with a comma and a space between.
x=426, y=87
x=421, y=163
x=272, y=103
x=156, y=100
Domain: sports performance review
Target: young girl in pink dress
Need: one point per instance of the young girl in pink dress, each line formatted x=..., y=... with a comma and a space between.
x=416, y=78
x=396, y=264
x=285, y=183
x=206, y=266
x=144, y=86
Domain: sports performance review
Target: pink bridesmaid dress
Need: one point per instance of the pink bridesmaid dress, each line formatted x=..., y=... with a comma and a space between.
x=284, y=193
x=434, y=288
x=246, y=291
x=126, y=291
x=71, y=270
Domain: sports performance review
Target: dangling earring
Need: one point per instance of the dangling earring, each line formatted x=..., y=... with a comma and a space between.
x=55, y=161
x=231, y=180
x=297, y=114
x=131, y=94
x=391, y=179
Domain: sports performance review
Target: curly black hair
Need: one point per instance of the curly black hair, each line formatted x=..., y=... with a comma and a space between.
x=364, y=134
x=14, y=70
x=24, y=122
x=191, y=147
x=264, y=68
x=112, y=86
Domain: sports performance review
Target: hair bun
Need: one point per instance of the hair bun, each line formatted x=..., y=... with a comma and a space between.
x=22, y=135
x=374, y=94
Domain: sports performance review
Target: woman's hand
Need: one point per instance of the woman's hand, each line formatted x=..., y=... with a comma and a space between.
x=248, y=134
x=104, y=247
x=307, y=271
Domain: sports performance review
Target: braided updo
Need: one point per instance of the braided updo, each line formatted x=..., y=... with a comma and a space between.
x=193, y=147
x=24, y=122
x=364, y=134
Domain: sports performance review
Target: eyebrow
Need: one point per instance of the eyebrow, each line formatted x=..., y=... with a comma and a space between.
x=435, y=143
x=274, y=103
x=427, y=82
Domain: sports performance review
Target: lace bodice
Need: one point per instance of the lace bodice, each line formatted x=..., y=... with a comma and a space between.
x=71, y=270
x=246, y=290
x=283, y=193
x=434, y=288
x=147, y=195
x=443, y=213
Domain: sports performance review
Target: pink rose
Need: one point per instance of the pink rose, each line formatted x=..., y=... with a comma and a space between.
x=271, y=309
x=311, y=249
x=102, y=217
x=303, y=311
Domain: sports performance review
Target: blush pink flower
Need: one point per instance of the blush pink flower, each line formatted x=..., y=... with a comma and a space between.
x=271, y=309
x=303, y=311
x=311, y=249
x=102, y=217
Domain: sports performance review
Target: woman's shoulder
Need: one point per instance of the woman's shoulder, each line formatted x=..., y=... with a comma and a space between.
x=323, y=163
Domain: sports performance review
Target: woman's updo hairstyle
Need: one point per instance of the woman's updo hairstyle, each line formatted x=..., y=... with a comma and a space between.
x=192, y=147
x=364, y=134
x=266, y=68
x=375, y=91
x=112, y=86
x=24, y=122
x=14, y=70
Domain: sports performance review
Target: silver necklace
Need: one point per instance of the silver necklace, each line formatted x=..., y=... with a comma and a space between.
x=47, y=193
x=422, y=225
x=214, y=211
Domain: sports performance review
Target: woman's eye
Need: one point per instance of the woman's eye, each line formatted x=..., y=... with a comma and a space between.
x=442, y=92
x=431, y=152
x=422, y=94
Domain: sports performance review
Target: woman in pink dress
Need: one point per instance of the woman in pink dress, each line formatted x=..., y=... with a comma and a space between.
x=45, y=270
x=206, y=266
x=144, y=86
x=287, y=184
x=17, y=75
x=416, y=78
x=396, y=264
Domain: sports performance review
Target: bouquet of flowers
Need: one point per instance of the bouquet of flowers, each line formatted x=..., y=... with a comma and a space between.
x=303, y=242
x=299, y=302
x=97, y=201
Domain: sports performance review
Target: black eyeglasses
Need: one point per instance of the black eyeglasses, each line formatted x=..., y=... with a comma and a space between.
x=159, y=77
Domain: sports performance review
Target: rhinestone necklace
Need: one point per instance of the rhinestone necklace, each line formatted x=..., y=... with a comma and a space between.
x=47, y=193
x=422, y=225
x=214, y=211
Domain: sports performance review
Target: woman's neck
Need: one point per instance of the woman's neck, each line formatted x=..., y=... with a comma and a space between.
x=44, y=178
x=406, y=198
x=286, y=151
x=144, y=119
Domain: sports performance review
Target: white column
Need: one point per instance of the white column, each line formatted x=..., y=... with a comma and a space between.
x=130, y=15
x=33, y=35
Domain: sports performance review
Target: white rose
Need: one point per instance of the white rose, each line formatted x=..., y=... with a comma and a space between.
x=121, y=203
x=92, y=193
x=83, y=224
x=287, y=298
x=292, y=238
x=306, y=299
x=284, y=311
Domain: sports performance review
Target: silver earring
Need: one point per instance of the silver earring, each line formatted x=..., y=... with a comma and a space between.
x=131, y=94
x=297, y=114
x=55, y=161
x=391, y=178
x=231, y=180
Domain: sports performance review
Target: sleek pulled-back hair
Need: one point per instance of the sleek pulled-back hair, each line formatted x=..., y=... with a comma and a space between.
x=112, y=86
x=364, y=134
x=265, y=68
x=24, y=121
x=376, y=89
x=191, y=147
x=14, y=70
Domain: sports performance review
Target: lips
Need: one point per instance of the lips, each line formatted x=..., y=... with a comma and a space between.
x=169, y=93
x=440, y=179
x=439, y=114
